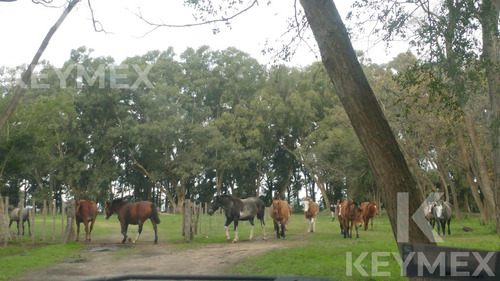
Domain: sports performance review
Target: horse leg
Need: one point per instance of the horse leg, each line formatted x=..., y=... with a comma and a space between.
x=124, y=232
x=313, y=222
x=87, y=234
x=365, y=220
x=235, y=231
x=263, y=229
x=345, y=228
x=372, y=222
x=77, y=231
x=29, y=227
x=357, y=234
x=282, y=229
x=449, y=232
x=139, y=232
x=91, y=227
x=226, y=228
x=154, y=227
x=277, y=229
x=251, y=229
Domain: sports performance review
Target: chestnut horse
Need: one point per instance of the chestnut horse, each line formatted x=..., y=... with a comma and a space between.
x=311, y=210
x=338, y=213
x=133, y=213
x=236, y=210
x=86, y=211
x=280, y=211
x=369, y=211
x=352, y=216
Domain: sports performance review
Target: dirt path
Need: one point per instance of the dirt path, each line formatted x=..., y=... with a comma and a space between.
x=147, y=258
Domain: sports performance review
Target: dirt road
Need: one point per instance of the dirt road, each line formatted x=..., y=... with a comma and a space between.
x=100, y=260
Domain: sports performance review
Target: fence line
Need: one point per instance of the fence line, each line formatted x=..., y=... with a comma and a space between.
x=8, y=233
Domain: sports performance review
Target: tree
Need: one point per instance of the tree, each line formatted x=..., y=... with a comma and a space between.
x=386, y=159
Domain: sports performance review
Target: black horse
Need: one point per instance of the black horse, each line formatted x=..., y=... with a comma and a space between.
x=236, y=210
x=15, y=217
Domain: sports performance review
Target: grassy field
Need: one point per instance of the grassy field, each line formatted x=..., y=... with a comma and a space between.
x=325, y=253
x=322, y=254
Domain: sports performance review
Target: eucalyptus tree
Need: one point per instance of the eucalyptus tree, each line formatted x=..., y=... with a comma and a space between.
x=448, y=32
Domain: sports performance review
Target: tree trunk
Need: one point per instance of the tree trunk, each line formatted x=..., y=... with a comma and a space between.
x=450, y=181
x=312, y=174
x=470, y=178
x=386, y=160
x=489, y=17
x=481, y=166
x=219, y=176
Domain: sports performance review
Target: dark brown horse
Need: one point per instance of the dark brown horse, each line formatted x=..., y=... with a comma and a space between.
x=370, y=210
x=133, y=213
x=352, y=216
x=86, y=211
x=280, y=212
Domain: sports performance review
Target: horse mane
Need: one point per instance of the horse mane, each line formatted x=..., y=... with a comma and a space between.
x=119, y=200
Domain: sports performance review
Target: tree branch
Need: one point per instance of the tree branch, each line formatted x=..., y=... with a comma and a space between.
x=27, y=74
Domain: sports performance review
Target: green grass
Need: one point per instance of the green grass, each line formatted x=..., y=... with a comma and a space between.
x=322, y=254
x=326, y=254
x=12, y=265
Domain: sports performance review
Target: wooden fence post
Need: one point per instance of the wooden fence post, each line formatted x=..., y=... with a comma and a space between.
x=186, y=231
x=44, y=212
x=54, y=212
x=4, y=218
x=32, y=217
x=69, y=235
x=20, y=217
x=62, y=217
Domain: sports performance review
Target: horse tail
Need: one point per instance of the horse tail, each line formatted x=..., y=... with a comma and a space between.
x=261, y=209
x=154, y=214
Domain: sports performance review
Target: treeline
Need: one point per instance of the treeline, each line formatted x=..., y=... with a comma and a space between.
x=166, y=127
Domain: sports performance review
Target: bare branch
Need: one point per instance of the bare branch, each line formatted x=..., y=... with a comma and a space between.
x=96, y=23
x=221, y=19
x=27, y=74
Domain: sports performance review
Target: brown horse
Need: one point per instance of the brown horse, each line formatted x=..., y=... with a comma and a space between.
x=86, y=211
x=280, y=212
x=370, y=210
x=338, y=213
x=133, y=213
x=311, y=210
x=352, y=216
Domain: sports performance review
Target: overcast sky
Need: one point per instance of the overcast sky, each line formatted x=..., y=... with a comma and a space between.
x=24, y=25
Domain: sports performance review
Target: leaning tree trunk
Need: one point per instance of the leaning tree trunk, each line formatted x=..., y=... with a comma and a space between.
x=489, y=17
x=27, y=74
x=386, y=160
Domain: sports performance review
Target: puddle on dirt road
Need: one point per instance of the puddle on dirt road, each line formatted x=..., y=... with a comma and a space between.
x=102, y=249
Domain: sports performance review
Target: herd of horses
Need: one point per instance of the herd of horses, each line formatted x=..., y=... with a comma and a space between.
x=349, y=214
